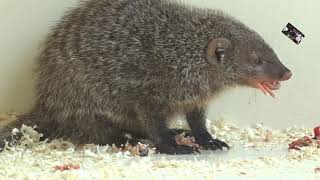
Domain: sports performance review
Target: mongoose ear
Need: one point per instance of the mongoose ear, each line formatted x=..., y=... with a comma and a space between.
x=216, y=50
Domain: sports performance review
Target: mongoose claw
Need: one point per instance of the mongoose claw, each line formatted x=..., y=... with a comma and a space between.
x=207, y=142
x=215, y=144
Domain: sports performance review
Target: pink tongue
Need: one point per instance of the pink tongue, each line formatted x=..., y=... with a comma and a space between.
x=266, y=90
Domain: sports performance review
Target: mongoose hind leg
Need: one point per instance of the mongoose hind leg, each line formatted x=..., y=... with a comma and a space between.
x=197, y=122
x=107, y=134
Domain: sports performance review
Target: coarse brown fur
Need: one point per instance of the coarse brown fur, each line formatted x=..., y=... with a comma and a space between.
x=111, y=67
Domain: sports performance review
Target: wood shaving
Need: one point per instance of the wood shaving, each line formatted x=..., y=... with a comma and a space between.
x=257, y=152
x=181, y=139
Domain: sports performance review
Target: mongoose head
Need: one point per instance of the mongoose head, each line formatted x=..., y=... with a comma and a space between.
x=250, y=60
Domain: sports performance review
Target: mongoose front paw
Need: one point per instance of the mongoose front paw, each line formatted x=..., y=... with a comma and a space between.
x=206, y=141
x=215, y=144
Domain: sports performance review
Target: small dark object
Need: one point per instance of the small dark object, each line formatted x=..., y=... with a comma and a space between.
x=293, y=33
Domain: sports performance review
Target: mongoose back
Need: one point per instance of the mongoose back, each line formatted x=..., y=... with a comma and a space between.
x=112, y=67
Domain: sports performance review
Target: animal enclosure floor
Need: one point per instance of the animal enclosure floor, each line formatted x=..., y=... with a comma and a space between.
x=257, y=152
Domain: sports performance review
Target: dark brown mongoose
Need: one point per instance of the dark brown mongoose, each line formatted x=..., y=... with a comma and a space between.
x=112, y=67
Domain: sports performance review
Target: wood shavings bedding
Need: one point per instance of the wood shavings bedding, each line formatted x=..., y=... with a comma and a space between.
x=257, y=152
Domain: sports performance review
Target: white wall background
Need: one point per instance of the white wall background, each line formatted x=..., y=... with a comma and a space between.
x=24, y=24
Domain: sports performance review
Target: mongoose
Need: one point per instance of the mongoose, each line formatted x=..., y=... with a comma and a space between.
x=112, y=67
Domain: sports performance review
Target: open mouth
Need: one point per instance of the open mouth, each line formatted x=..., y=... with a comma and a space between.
x=268, y=86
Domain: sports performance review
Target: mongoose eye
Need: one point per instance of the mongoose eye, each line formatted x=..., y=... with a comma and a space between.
x=258, y=62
